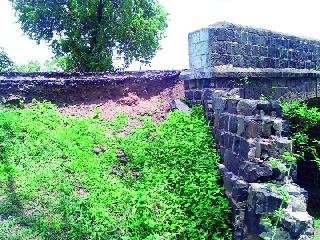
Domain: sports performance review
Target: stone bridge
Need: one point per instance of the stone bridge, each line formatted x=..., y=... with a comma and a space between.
x=238, y=72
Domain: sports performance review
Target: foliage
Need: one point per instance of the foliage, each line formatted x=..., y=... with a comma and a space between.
x=245, y=80
x=302, y=121
x=284, y=165
x=31, y=66
x=89, y=33
x=54, y=186
x=57, y=64
x=5, y=62
x=53, y=65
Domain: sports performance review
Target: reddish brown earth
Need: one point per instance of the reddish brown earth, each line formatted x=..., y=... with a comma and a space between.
x=151, y=99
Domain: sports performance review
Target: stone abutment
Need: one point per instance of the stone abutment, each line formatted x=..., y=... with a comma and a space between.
x=239, y=74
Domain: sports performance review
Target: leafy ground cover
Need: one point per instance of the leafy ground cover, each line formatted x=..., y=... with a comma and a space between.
x=88, y=178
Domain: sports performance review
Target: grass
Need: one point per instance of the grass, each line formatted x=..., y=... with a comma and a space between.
x=78, y=178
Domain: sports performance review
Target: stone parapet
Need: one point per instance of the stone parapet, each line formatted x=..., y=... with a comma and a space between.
x=240, y=46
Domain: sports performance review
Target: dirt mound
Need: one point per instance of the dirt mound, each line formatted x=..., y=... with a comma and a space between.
x=151, y=99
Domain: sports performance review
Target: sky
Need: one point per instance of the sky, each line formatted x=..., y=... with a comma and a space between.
x=297, y=17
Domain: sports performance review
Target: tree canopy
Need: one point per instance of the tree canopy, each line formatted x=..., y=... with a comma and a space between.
x=5, y=62
x=89, y=34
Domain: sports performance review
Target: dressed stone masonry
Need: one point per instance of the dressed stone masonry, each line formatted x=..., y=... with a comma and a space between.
x=232, y=68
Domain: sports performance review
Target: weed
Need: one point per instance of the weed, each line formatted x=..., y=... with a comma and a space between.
x=54, y=186
x=245, y=80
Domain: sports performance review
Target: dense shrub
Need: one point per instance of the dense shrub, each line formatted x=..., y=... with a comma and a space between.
x=304, y=129
x=71, y=178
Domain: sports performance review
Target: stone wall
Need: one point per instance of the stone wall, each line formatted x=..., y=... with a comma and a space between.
x=240, y=46
x=253, y=83
x=71, y=88
x=238, y=72
x=249, y=134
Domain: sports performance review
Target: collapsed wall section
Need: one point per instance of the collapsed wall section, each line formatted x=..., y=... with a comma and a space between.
x=72, y=88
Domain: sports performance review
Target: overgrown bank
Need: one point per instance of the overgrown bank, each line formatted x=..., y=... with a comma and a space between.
x=87, y=178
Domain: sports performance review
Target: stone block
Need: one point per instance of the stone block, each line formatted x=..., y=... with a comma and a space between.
x=222, y=34
x=238, y=61
x=208, y=106
x=244, y=148
x=221, y=151
x=223, y=139
x=298, y=223
x=298, y=197
x=232, y=103
x=207, y=94
x=282, y=144
x=236, y=144
x=262, y=199
x=267, y=128
x=254, y=129
x=231, y=161
x=277, y=124
x=274, y=147
x=204, y=34
x=233, y=124
x=218, y=104
x=242, y=126
x=240, y=191
x=229, y=180
x=254, y=224
x=255, y=172
x=223, y=122
x=247, y=107
x=189, y=95
x=178, y=104
x=216, y=120
x=199, y=84
x=197, y=95
x=265, y=106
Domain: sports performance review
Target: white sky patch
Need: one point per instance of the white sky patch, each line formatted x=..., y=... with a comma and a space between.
x=295, y=17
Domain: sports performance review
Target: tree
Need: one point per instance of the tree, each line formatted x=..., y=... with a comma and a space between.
x=5, y=62
x=90, y=33
x=31, y=66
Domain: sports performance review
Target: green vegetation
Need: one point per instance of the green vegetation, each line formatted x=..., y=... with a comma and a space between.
x=53, y=65
x=85, y=178
x=5, y=62
x=284, y=165
x=304, y=122
x=90, y=33
x=317, y=225
x=304, y=125
x=31, y=66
